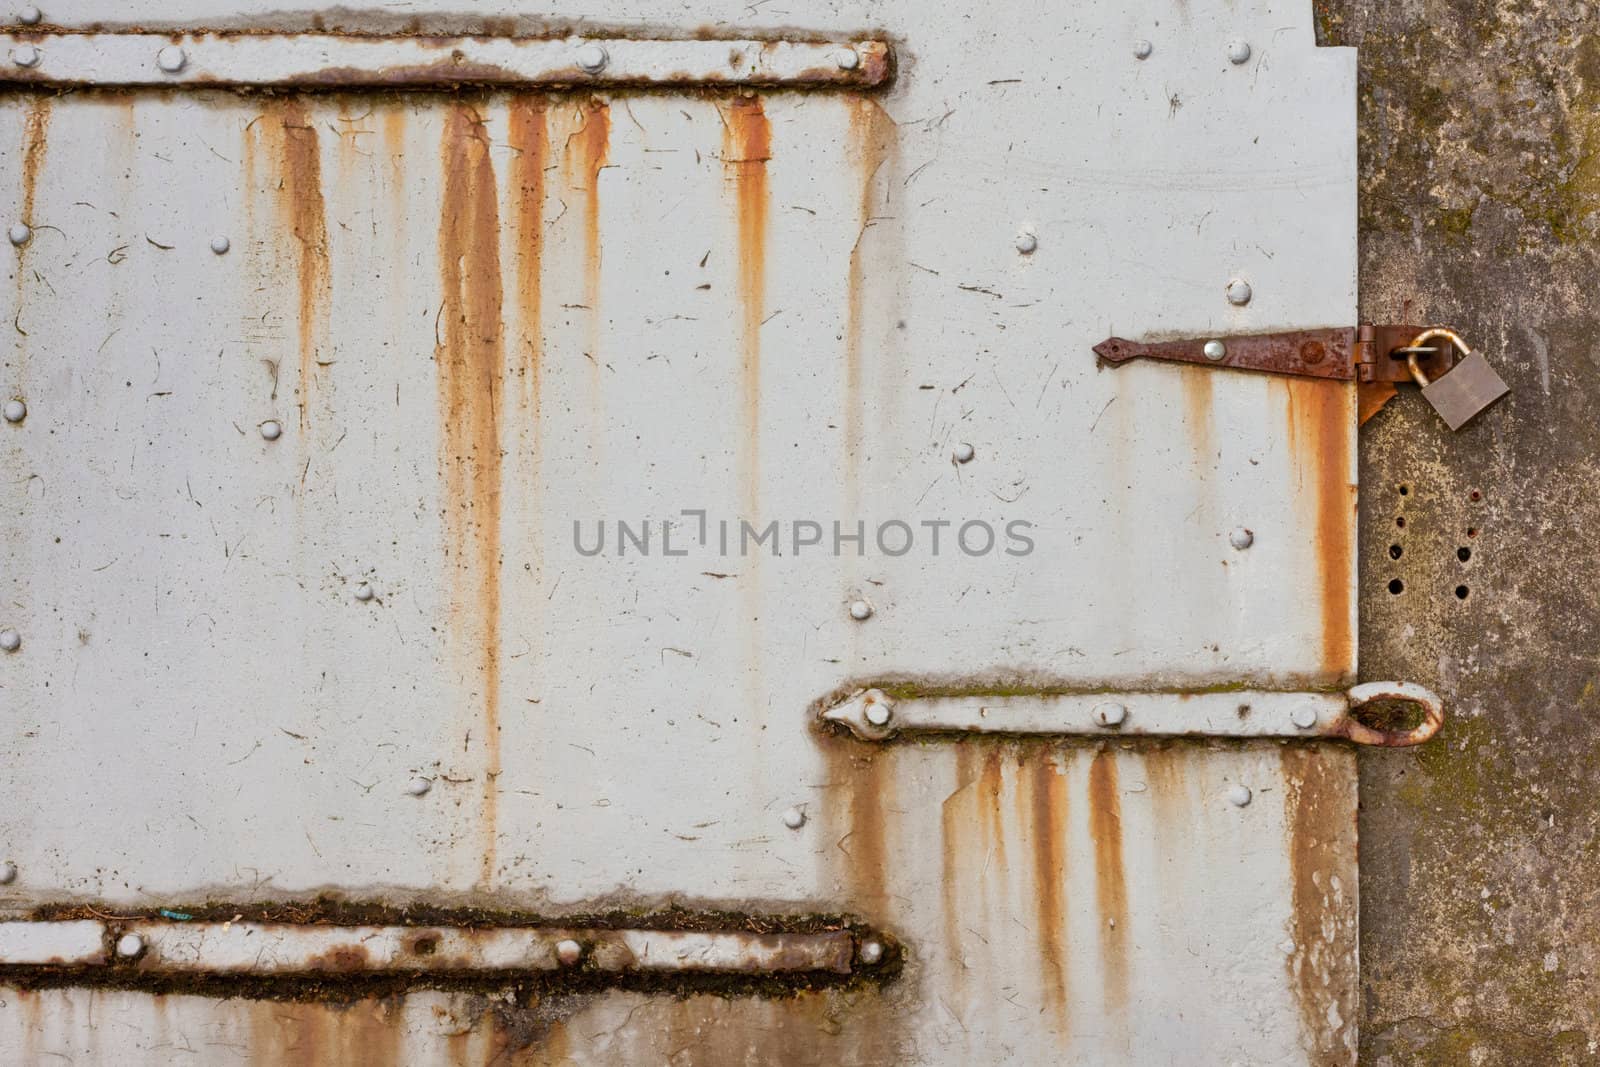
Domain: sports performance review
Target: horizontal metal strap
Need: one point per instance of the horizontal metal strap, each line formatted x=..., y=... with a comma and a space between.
x=873, y=715
x=1365, y=353
x=334, y=61
x=287, y=949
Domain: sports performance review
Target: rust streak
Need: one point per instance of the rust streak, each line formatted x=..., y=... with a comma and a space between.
x=872, y=137
x=1197, y=414
x=300, y=190
x=1322, y=965
x=470, y=360
x=584, y=157
x=530, y=140
x=1047, y=793
x=35, y=145
x=855, y=798
x=1320, y=416
x=746, y=148
x=1111, y=890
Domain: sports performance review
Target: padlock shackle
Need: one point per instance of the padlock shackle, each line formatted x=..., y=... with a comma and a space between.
x=1420, y=344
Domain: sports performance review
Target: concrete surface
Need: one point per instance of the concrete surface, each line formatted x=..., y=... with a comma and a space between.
x=1480, y=894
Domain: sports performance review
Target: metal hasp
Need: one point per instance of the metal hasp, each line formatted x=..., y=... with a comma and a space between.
x=340, y=61
x=873, y=715
x=133, y=948
x=1366, y=353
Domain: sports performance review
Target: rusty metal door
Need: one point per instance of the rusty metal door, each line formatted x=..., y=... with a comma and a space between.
x=603, y=539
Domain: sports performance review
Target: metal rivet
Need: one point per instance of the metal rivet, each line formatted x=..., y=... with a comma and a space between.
x=19, y=234
x=30, y=16
x=1238, y=796
x=1110, y=713
x=25, y=55
x=1239, y=292
x=1215, y=350
x=10, y=640
x=847, y=58
x=171, y=59
x=8, y=873
x=272, y=429
x=872, y=951
x=130, y=945
x=1239, y=52
x=569, y=952
x=1241, y=538
x=878, y=712
x=220, y=244
x=593, y=58
x=418, y=786
x=1143, y=49
x=860, y=610
x=1305, y=718
x=963, y=453
x=1027, y=243
x=364, y=592
x=16, y=410
x=794, y=818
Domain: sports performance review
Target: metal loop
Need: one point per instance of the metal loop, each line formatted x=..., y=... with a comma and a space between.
x=1367, y=692
x=1418, y=345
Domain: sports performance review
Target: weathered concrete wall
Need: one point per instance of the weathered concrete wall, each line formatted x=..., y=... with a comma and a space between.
x=1481, y=208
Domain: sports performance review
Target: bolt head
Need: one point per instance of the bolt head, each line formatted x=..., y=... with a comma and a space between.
x=592, y=58
x=1241, y=538
x=794, y=818
x=1238, y=52
x=847, y=58
x=1238, y=796
x=19, y=234
x=172, y=59
x=963, y=453
x=1215, y=350
x=1027, y=243
x=1239, y=292
x=872, y=951
x=25, y=55
x=272, y=429
x=16, y=410
x=878, y=711
x=10, y=640
x=418, y=786
x=1143, y=49
x=1304, y=718
x=860, y=610
x=30, y=16
x=129, y=945
x=8, y=873
x=1110, y=713
x=568, y=952
x=364, y=592
x=220, y=244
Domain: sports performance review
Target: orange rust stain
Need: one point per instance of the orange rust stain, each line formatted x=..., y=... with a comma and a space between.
x=1197, y=415
x=746, y=149
x=529, y=139
x=855, y=799
x=872, y=136
x=366, y=1031
x=299, y=189
x=1320, y=416
x=1320, y=827
x=1110, y=879
x=470, y=358
x=584, y=156
x=344, y=958
x=990, y=782
x=35, y=145
x=1047, y=798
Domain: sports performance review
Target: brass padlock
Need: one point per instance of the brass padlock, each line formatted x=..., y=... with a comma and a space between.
x=1465, y=389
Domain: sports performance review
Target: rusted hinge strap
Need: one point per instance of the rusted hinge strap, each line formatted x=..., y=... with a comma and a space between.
x=339, y=61
x=873, y=715
x=136, y=947
x=1365, y=353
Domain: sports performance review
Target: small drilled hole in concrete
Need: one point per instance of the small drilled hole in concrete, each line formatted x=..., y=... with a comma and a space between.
x=1396, y=586
x=1395, y=551
x=1463, y=553
x=1400, y=521
x=1461, y=592
x=1472, y=531
x=1474, y=496
x=1405, y=490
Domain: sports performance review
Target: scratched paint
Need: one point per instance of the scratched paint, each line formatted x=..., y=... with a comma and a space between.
x=470, y=360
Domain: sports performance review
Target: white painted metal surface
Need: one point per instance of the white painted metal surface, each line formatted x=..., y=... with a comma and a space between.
x=480, y=320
